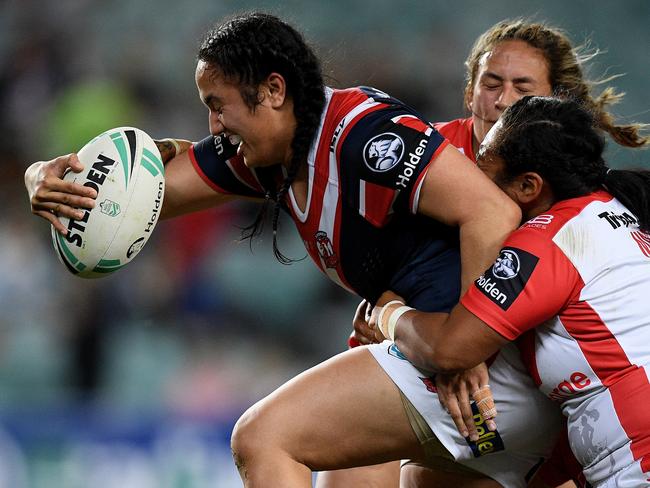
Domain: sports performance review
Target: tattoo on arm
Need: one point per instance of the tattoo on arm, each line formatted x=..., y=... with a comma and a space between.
x=167, y=149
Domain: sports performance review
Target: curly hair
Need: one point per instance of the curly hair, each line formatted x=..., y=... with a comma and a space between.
x=249, y=47
x=565, y=64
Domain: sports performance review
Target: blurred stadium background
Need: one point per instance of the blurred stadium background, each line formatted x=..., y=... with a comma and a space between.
x=135, y=380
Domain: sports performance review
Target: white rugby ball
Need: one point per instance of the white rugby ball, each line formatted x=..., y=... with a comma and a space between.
x=125, y=168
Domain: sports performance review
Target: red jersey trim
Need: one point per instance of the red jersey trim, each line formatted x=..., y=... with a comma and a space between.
x=414, y=197
x=203, y=176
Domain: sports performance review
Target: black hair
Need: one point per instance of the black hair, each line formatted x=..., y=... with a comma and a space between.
x=247, y=49
x=560, y=140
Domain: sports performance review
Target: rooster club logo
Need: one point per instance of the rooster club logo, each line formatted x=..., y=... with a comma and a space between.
x=507, y=265
x=326, y=249
x=383, y=152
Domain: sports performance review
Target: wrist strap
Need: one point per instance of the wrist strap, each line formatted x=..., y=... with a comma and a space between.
x=177, y=146
x=381, y=324
x=394, y=317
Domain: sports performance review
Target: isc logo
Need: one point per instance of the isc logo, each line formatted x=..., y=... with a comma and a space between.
x=577, y=381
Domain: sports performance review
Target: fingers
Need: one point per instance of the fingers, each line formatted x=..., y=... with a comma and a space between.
x=61, y=210
x=364, y=332
x=465, y=407
x=372, y=324
x=52, y=197
x=69, y=161
x=454, y=408
x=486, y=407
x=51, y=218
x=63, y=199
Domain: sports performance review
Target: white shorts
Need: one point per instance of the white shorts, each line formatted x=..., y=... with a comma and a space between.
x=527, y=421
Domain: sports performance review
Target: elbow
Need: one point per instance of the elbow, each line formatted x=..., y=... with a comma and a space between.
x=512, y=213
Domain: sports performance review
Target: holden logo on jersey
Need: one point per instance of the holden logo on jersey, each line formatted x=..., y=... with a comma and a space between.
x=506, y=279
x=326, y=249
x=506, y=266
x=383, y=152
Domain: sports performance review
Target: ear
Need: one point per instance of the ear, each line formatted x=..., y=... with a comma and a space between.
x=273, y=90
x=528, y=187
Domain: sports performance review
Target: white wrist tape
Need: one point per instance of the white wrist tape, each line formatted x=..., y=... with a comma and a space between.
x=394, y=317
x=176, y=145
x=381, y=324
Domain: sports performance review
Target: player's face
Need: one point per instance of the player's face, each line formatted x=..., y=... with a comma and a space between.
x=491, y=164
x=512, y=70
x=265, y=139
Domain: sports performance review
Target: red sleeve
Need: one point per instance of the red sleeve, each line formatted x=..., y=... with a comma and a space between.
x=530, y=282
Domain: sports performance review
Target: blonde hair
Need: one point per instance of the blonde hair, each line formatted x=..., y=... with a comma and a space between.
x=565, y=73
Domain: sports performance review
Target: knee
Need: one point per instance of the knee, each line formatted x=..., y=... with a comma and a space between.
x=246, y=435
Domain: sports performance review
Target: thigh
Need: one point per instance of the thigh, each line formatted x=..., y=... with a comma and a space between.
x=385, y=475
x=415, y=475
x=343, y=413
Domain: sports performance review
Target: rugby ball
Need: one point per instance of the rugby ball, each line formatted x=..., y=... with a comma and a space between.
x=125, y=168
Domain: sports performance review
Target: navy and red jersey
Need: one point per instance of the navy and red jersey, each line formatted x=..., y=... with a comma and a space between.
x=360, y=224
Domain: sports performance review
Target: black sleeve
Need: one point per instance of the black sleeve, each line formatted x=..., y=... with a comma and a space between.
x=216, y=161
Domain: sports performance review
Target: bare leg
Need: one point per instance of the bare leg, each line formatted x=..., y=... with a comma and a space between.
x=388, y=475
x=414, y=476
x=342, y=413
x=378, y=476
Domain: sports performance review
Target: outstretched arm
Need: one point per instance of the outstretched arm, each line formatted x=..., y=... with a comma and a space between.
x=50, y=196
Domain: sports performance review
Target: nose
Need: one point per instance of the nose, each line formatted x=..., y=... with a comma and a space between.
x=508, y=96
x=216, y=127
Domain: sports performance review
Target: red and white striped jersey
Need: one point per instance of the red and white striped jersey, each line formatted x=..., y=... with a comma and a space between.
x=582, y=271
x=460, y=133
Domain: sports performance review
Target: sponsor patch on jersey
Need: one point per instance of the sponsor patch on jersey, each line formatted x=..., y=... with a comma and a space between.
x=430, y=383
x=488, y=441
x=393, y=350
x=505, y=280
x=540, y=222
x=383, y=152
x=507, y=265
x=326, y=249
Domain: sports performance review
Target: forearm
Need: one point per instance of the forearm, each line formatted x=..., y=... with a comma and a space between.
x=481, y=238
x=169, y=148
x=416, y=336
x=186, y=191
x=438, y=342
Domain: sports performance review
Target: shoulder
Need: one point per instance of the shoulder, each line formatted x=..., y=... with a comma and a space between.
x=453, y=126
x=460, y=133
x=567, y=224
